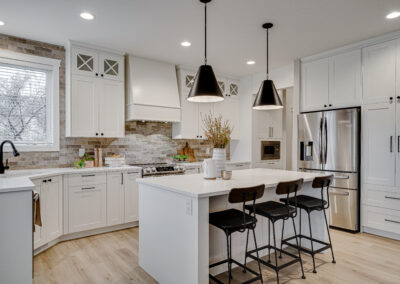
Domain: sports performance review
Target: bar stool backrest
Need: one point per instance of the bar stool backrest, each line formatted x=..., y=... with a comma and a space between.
x=287, y=188
x=323, y=183
x=243, y=195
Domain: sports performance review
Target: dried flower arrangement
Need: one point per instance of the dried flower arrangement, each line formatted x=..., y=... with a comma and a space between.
x=217, y=130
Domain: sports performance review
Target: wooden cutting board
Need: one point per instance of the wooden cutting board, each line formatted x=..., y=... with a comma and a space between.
x=187, y=151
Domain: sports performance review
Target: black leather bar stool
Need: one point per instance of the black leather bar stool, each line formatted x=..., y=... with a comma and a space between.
x=275, y=211
x=310, y=204
x=233, y=220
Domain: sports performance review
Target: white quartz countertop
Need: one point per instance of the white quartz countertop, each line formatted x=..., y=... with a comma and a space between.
x=20, y=180
x=198, y=164
x=196, y=186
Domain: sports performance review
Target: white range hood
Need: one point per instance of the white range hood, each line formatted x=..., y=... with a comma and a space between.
x=151, y=90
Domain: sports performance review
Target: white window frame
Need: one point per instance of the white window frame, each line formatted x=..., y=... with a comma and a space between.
x=53, y=114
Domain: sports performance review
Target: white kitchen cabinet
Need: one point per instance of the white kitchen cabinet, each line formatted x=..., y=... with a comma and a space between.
x=131, y=198
x=111, y=66
x=378, y=156
x=203, y=109
x=39, y=234
x=111, y=109
x=397, y=142
x=84, y=61
x=95, y=93
x=87, y=207
x=83, y=110
x=345, y=80
x=229, y=110
x=268, y=124
x=97, y=107
x=115, y=198
x=379, y=72
x=332, y=82
x=50, y=193
x=53, y=198
x=315, y=85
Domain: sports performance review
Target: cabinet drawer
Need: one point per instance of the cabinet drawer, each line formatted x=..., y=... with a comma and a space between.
x=386, y=200
x=87, y=207
x=87, y=179
x=382, y=219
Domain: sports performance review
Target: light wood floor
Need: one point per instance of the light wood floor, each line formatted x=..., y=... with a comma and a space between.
x=113, y=258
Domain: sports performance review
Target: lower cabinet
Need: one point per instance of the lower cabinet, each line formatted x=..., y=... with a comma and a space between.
x=131, y=199
x=87, y=207
x=115, y=198
x=50, y=193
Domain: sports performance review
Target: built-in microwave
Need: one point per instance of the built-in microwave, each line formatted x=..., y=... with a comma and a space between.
x=270, y=150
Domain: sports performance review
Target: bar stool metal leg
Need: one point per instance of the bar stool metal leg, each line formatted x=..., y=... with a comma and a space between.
x=276, y=254
x=300, y=226
x=283, y=227
x=258, y=257
x=229, y=256
x=298, y=250
x=329, y=236
x=311, y=240
x=269, y=241
x=245, y=255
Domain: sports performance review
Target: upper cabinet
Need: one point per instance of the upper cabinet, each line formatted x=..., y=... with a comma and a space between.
x=95, y=97
x=331, y=82
x=191, y=124
x=345, y=80
x=379, y=72
x=315, y=85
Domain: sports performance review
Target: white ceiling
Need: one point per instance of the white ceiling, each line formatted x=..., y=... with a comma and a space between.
x=155, y=28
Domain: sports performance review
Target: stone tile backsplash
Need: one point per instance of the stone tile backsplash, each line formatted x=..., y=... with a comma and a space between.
x=145, y=142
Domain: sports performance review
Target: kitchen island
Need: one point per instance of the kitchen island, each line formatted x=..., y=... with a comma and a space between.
x=176, y=243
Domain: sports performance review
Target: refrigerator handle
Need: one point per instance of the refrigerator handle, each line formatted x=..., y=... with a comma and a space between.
x=326, y=140
x=320, y=140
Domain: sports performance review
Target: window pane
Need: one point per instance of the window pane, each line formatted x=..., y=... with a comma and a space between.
x=23, y=108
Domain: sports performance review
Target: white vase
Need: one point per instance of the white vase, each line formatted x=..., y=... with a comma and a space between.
x=219, y=155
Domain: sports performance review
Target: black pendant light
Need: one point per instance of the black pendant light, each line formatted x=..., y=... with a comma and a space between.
x=267, y=96
x=205, y=88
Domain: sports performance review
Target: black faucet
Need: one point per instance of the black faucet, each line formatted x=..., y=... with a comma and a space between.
x=15, y=152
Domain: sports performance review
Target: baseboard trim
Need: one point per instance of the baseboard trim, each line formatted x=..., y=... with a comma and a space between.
x=381, y=233
x=84, y=234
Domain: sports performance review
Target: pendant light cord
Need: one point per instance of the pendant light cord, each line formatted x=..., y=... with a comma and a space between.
x=205, y=33
x=267, y=56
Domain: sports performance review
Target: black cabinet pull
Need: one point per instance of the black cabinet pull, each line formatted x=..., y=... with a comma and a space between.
x=44, y=180
x=88, y=188
x=392, y=221
x=102, y=134
x=325, y=105
x=398, y=144
x=330, y=105
x=391, y=144
x=102, y=75
x=97, y=134
x=49, y=180
x=391, y=98
x=122, y=178
x=97, y=74
x=88, y=176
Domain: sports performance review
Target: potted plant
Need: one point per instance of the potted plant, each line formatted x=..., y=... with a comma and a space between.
x=85, y=162
x=180, y=158
x=218, y=132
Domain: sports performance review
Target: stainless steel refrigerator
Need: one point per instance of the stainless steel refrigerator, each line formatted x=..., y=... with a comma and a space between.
x=329, y=142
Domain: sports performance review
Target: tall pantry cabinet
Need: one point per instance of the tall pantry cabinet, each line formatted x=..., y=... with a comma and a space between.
x=381, y=137
x=95, y=105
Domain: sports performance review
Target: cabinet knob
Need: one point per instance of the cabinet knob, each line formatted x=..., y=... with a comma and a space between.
x=102, y=75
x=97, y=74
x=330, y=105
x=102, y=134
x=49, y=180
x=391, y=98
x=398, y=97
x=44, y=180
x=97, y=134
x=325, y=105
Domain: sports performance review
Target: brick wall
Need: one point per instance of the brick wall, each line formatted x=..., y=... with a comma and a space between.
x=145, y=142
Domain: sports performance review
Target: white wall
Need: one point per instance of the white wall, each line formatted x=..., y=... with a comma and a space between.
x=241, y=150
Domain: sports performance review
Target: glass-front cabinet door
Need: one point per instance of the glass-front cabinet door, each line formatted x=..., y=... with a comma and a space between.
x=111, y=66
x=84, y=61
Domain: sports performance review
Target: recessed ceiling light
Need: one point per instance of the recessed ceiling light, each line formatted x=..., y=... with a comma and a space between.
x=393, y=15
x=87, y=16
x=251, y=62
x=2, y=23
x=185, y=43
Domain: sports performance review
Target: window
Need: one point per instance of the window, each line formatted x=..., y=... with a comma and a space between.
x=29, y=101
